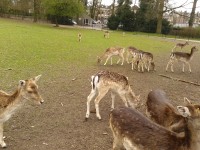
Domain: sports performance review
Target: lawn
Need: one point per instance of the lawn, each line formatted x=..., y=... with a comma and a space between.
x=28, y=49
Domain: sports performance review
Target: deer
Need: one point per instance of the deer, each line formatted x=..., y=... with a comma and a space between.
x=79, y=37
x=130, y=52
x=9, y=103
x=145, y=59
x=181, y=45
x=104, y=81
x=134, y=131
x=183, y=57
x=110, y=52
x=106, y=34
x=161, y=111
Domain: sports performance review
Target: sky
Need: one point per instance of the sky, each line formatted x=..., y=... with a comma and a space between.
x=187, y=7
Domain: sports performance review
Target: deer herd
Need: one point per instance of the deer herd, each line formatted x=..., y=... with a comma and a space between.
x=163, y=127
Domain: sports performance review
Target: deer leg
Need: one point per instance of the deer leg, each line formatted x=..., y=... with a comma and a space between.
x=168, y=65
x=89, y=98
x=101, y=94
x=3, y=144
x=122, y=57
x=189, y=67
x=122, y=95
x=113, y=100
x=107, y=60
x=172, y=67
x=111, y=61
x=118, y=60
x=183, y=70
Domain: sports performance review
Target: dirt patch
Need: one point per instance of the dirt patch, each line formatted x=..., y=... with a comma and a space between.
x=59, y=122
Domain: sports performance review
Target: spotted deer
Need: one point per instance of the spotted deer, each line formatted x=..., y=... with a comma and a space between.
x=110, y=52
x=130, y=52
x=183, y=57
x=104, y=81
x=161, y=111
x=26, y=90
x=146, y=60
x=133, y=131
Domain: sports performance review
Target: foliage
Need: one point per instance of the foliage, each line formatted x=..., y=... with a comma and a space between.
x=113, y=22
x=60, y=8
x=186, y=32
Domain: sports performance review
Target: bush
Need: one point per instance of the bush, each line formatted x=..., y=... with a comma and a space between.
x=186, y=32
x=113, y=22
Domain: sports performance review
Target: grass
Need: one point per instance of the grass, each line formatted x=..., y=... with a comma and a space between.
x=29, y=49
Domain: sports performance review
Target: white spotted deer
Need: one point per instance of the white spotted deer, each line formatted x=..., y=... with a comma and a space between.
x=26, y=90
x=110, y=52
x=104, y=81
x=133, y=131
x=183, y=57
x=106, y=34
x=130, y=52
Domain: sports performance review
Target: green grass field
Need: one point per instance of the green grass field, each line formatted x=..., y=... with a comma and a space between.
x=29, y=49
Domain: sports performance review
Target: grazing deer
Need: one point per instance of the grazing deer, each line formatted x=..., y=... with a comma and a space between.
x=106, y=34
x=104, y=81
x=181, y=45
x=146, y=59
x=79, y=37
x=160, y=110
x=183, y=57
x=133, y=131
x=130, y=52
x=110, y=52
x=26, y=90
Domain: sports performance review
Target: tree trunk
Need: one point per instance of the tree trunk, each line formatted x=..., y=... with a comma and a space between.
x=192, y=15
x=160, y=16
x=113, y=7
x=35, y=6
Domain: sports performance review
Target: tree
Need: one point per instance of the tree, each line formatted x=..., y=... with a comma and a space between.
x=192, y=15
x=36, y=9
x=61, y=8
x=160, y=16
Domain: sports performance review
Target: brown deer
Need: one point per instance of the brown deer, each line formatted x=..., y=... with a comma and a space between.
x=79, y=37
x=146, y=59
x=183, y=57
x=106, y=34
x=110, y=52
x=133, y=131
x=130, y=52
x=160, y=110
x=104, y=81
x=181, y=45
x=26, y=90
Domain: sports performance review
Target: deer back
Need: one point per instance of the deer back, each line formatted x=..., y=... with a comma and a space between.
x=142, y=133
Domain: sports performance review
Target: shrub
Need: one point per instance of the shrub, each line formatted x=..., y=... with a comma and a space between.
x=113, y=22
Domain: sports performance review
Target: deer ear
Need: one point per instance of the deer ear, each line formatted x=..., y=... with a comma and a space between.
x=187, y=101
x=184, y=111
x=22, y=82
x=37, y=78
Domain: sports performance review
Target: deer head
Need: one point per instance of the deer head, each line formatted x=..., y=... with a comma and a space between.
x=29, y=89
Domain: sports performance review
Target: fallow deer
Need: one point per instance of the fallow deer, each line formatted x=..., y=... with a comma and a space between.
x=181, y=45
x=79, y=37
x=183, y=57
x=146, y=59
x=130, y=52
x=160, y=110
x=104, y=81
x=133, y=131
x=106, y=34
x=110, y=52
x=26, y=90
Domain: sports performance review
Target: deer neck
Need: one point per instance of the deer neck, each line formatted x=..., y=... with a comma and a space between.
x=194, y=128
x=191, y=54
x=15, y=99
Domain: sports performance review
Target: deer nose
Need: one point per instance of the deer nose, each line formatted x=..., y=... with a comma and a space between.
x=42, y=101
